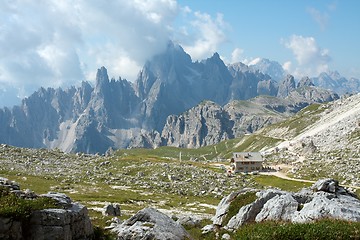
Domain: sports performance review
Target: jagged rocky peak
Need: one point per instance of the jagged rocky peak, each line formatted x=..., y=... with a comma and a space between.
x=174, y=55
x=286, y=86
x=215, y=57
x=215, y=61
x=102, y=77
x=167, y=66
x=305, y=82
x=235, y=68
x=269, y=67
x=337, y=83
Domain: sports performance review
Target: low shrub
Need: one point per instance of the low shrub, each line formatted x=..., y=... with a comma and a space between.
x=17, y=208
x=240, y=201
x=322, y=229
x=102, y=234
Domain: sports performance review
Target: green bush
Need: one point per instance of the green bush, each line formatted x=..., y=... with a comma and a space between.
x=4, y=191
x=17, y=208
x=102, y=234
x=240, y=201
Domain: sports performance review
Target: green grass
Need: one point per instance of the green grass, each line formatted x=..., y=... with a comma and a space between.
x=240, y=201
x=283, y=184
x=300, y=121
x=255, y=143
x=355, y=135
x=196, y=232
x=323, y=229
x=222, y=150
x=38, y=184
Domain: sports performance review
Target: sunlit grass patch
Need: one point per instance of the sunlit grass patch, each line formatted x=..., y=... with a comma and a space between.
x=283, y=184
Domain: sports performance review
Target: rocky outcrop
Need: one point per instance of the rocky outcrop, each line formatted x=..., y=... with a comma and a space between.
x=69, y=220
x=247, y=84
x=248, y=213
x=209, y=123
x=205, y=124
x=325, y=199
x=278, y=208
x=70, y=223
x=286, y=86
x=311, y=94
x=305, y=82
x=223, y=207
x=149, y=223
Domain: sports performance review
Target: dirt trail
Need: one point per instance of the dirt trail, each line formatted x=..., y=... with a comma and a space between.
x=282, y=174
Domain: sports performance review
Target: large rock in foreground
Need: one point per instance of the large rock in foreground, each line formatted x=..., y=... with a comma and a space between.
x=68, y=221
x=149, y=223
x=324, y=200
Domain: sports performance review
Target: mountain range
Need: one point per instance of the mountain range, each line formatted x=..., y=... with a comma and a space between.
x=174, y=101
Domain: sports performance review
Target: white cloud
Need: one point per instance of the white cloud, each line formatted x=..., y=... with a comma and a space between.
x=58, y=43
x=254, y=61
x=321, y=18
x=311, y=59
x=236, y=55
x=208, y=35
x=287, y=66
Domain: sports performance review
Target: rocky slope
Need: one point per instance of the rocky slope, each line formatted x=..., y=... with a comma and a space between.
x=322, y=139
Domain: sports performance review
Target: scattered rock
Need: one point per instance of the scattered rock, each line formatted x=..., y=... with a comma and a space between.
x=226, y=236
x=112, y=209
x=208, y=228
x=11, y=185
x=188, y=221
x=149, y=223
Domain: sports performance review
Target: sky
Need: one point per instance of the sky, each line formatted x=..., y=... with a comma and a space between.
x=53, y=43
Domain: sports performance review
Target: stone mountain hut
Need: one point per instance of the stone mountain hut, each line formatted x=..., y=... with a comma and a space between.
x=246, y=162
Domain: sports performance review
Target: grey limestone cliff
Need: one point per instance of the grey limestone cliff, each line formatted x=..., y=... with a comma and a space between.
x=286, y=86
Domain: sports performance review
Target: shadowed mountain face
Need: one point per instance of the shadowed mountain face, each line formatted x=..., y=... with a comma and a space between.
x=150, y=112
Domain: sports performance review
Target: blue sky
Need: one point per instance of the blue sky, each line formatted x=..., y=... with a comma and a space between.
x=281, y=30
x=61, y=43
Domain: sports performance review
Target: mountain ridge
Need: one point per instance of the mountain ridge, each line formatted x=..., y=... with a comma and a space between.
x=121, y=114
